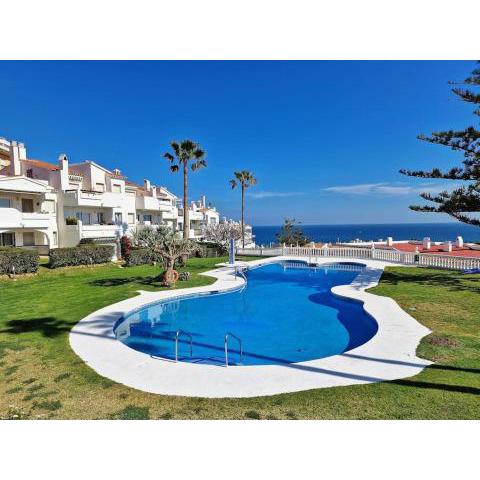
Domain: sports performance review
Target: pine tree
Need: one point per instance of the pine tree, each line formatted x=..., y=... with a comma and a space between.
x=291, y=234
x=461, y=202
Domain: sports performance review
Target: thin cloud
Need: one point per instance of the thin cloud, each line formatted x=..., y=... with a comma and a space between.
x=385, y=188
x=260, y=195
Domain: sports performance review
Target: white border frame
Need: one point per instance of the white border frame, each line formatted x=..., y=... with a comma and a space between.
x=389, y=355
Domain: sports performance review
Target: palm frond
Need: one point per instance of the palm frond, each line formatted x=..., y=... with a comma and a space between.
x=175, y=147
x=199, y=164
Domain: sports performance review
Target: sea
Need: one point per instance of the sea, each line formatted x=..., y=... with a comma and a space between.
x=438, y=232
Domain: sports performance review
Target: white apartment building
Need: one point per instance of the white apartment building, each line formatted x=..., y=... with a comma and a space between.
x=46, y=205
x=28, y=215
x=199, y=215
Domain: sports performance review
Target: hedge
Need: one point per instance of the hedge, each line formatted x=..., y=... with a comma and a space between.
x=85, y=254
x=22, y=260
x=209, y=249
x=141, y=256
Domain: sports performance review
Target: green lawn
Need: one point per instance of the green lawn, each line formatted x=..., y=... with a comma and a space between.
x=41, y=377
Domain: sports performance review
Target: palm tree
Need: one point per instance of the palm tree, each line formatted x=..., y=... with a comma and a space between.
x=185, y=153
x=245, y=179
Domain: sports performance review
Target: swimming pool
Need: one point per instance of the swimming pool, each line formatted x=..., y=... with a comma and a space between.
x=285, y=314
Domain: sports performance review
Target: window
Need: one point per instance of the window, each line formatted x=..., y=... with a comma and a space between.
x=4, y=203
x=100, y=187
x=100, y=218
x=29, y=173
x=27, y=205
x=147, y=218
x=118, y=218
x=29, y=239
x=49, y=206
x=7, y=240
x=131, y=218
x=116, y=188
x=84, y=217
x=55, y=239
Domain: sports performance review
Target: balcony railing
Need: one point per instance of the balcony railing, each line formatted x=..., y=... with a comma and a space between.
x=93, y=199
x=13, y=218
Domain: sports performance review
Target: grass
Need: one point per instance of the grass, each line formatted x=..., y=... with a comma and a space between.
x=41, y=377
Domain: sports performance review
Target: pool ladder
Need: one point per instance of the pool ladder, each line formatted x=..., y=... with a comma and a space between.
x=177, y=335
x=241, y=273
x=238, y=339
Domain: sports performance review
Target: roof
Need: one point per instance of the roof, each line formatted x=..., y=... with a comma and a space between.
x=41, y=164
x=24, y=184
x=465, y=251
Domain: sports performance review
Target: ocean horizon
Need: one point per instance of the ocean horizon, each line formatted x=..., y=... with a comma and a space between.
x=264, y=235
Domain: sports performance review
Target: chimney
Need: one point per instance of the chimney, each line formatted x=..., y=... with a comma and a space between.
x=154, y=190
x=63, y=165
x=389, y=242
x=22, y=151
x=204, y=201
x=427, y=244
x=146, y=184
x=459, y=242
x=447, y=247
x=15, y=167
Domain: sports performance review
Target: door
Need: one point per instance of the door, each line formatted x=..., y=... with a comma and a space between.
x=7, y=240
x=27, y=205
x=28, y=239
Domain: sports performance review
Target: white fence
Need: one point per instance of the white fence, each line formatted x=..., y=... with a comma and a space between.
x=394, y=256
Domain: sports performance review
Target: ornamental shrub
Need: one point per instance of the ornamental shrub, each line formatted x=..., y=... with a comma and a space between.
x=184, y=276
x=125, y=246
x=18, y=260
x=85, y=254
x=142, y=256
x=71, y=221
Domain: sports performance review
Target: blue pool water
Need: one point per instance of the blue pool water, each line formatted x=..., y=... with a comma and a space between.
x=285, y=314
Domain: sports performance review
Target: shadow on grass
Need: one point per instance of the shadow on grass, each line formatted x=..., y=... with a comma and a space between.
x=156, y=281
x=453, y=281
x=48, y=326
x=437, y=386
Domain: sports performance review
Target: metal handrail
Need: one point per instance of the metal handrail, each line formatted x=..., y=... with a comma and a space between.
x=183, y=332
x=239, y=340
x=241, y=273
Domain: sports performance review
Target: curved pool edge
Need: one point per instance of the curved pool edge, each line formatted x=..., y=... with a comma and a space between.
x=389, y=355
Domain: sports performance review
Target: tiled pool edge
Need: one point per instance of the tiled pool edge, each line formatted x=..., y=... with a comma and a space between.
x=389, y=355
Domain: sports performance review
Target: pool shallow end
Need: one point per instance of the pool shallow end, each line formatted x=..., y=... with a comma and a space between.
x=389, y=355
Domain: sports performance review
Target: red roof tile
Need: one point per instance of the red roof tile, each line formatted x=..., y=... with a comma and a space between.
x=437, y=249
x=41, y=164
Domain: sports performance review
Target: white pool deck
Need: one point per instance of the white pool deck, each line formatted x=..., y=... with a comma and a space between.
x=389, y=355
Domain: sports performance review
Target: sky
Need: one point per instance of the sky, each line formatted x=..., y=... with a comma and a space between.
x=324, y=139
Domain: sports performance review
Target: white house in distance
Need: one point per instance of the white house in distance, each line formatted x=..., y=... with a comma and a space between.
x=46, y=205
x=199, y=215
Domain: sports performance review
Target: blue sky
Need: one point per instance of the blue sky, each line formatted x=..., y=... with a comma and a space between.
x=325, y=139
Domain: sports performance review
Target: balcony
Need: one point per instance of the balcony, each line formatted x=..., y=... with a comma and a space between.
x=101, y=231
x=13, y=218
x=146, y=203
x=169, y=215
x=153, y=204
x=79, y=198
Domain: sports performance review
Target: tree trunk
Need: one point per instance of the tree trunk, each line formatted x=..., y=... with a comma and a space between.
x=186, y=221
x=243, y=217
